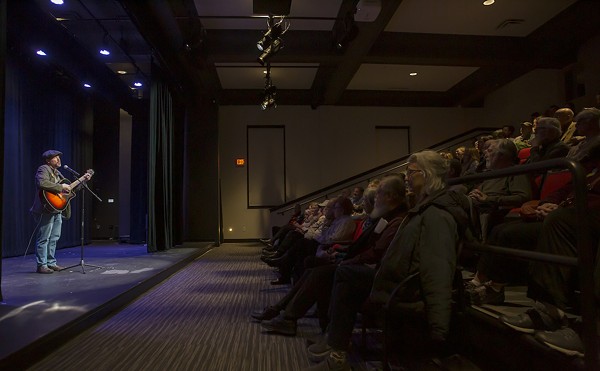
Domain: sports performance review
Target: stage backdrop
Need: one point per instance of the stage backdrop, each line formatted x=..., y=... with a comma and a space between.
x=43, y=111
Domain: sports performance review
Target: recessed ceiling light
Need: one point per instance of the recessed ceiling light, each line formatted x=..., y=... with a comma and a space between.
x=40, y=52
x=104, y=52
x=57, y=2
x=121, y=72
x=413, y=74
x=86, y=85
x=489, y=2
x=137, y=83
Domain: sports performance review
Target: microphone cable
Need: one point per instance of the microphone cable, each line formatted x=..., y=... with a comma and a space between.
x=32, y=233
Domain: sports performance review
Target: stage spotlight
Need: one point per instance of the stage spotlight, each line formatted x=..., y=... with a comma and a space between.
x=268, y=95
x=272, y=33
x=268, y=100
x=275, y=46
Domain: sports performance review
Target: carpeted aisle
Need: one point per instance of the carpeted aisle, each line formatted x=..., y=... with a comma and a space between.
x=198, y=319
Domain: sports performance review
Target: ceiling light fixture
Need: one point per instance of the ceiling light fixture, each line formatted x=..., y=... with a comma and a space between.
x=104, y=50
x=57, y=2
x=121, y=72
x=413, y=74
x=86, y=85
x=489, y=2
x=271, y=41
x=41, y=52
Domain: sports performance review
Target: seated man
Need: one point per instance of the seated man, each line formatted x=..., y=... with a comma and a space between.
x=494, y=198
x=588, y=125
x=425, y=244
x=552, y=286
x=547, y=144
x=316, y=284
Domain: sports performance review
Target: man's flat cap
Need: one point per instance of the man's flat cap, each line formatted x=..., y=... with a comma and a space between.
x=51, y=153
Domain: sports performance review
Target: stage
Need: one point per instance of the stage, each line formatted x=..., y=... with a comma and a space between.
x=42, y=311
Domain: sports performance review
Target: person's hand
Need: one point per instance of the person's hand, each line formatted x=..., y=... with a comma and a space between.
x=66, y=188
x=543, y=210
x=477, y=195
x=87, y=176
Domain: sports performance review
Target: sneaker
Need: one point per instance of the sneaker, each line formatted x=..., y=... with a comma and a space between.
x=538, y=318
x=485, y=294
x=319, y=351
x=266, y=314
x=336, y=361
x=565, y=340
x=280, y=325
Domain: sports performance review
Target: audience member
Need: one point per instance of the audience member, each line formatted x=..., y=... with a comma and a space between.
x=340, y=230
x=567, y=126
x=523, y=140
x=547, y=143
x=552, y=286
x=356, y=199
x=494, y=198
x=425, y=244
x=588, y=125
x=481, y=144
x=316, y=283
x=459, y=152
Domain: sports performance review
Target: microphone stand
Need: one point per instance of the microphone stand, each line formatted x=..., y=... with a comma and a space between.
x=81, y=262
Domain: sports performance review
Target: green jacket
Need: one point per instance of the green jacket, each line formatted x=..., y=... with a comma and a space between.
x=426, y=246
x=47, y=180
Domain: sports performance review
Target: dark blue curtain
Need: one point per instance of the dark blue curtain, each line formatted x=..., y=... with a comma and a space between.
x=160, y=170
x=41, y=112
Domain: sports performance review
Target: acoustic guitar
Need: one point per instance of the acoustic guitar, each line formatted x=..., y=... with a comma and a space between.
x=59, y=201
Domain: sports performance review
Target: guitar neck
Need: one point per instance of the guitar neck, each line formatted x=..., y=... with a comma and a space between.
x=77, y=182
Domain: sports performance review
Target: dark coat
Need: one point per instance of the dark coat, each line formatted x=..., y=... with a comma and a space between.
x=426, y=244
x=46, y=179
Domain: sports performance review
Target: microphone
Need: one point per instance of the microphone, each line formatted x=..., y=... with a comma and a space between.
x=71, y=170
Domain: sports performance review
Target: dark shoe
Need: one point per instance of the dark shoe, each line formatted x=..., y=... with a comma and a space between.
x=319, y=351
x=538, y=318
x=280, y=325
x=44, y=270
x=269, y=249
x=565, y=340
x=332, y=362
x=277, y=262
x=271, y=255
x=56, y=268
x=281, y=281
x=485, y=294
x=266, y=314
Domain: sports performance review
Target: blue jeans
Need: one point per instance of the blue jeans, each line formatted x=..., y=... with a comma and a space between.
x=49, y=233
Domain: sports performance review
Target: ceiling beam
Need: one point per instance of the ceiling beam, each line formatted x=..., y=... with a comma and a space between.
x=357, y=49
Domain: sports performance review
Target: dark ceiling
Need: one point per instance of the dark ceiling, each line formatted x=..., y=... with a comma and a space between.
x=209, y=46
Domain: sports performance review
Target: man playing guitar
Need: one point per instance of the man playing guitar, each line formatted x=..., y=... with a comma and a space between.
x=48, y=179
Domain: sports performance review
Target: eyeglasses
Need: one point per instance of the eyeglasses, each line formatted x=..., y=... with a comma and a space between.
x=410, y=172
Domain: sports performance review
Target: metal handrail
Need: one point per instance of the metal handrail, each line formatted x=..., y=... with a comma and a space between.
x=377, y=171
x=585, y=260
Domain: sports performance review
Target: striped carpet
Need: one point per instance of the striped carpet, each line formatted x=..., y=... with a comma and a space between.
x=198, y=319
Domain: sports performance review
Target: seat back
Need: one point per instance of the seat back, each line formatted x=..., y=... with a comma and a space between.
x=552, y=181
x=524, y=155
